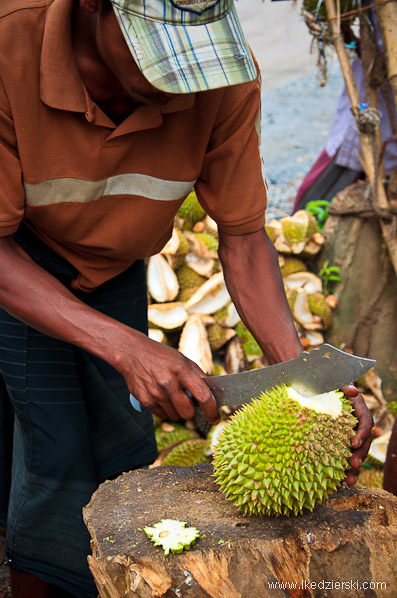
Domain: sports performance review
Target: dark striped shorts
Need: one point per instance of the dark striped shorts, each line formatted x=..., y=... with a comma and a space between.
x=74, y=427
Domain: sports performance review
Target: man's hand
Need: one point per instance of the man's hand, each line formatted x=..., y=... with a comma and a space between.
x=362, y=440
x=159, y=376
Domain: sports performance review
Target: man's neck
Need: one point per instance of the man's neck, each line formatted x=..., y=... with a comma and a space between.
x=101, y=84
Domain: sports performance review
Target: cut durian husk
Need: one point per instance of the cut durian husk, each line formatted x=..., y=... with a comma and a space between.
x=210, y=297
x=301, y=311
x=315, y=338
x=202, y=265
x=198, y=247
x=172, y=245
x=211, y=224
x=310, y=282
x=168, y=316
x=228, y=316
x=378, y=449
x=155, y=334
x=162, y=282
x=194, y=342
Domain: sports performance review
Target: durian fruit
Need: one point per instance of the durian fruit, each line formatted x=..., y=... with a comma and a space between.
x=174, y=536
x=202, y=265
x=210, y=241
x=302, y=312
x=283, y=453
x=188, y=452
x=392, y=407
x=370, y=477
x=191, y=209
x=319, y=306
x=291, y=265
x=169, y=434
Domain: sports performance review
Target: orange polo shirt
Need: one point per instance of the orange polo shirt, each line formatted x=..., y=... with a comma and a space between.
x=103, y=195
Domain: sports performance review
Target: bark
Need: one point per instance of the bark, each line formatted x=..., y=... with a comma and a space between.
x=387, y=17
x=365, y=319
x=349, y=538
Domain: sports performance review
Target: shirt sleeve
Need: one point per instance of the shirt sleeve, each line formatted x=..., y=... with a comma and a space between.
x=231, y=187
x=12, y=196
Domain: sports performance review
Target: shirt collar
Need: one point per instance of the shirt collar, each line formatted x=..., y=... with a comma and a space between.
x=61, y=86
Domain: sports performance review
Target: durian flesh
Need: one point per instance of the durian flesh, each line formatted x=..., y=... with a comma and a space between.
x=172, y=535
x=283, y=453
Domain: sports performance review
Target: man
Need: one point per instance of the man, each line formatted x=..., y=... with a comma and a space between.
x=108, y=116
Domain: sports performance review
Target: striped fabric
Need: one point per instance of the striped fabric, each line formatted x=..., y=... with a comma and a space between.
x=74, y=428
x=184, y=47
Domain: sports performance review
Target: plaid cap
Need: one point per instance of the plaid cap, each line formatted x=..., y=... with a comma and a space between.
x=184, y=46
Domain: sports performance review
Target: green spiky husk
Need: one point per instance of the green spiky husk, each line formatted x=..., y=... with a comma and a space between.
x=187, y=453
x=191, y=209
x=210, y=241
x=180, y=432
x=294, y=231
x=188, y=278
x=217, y=336
x=312, y=226
x=248, y=342
x=370, y=477
x=320, y=307
x=277, y=458
x=292, y=265
x=392, y=407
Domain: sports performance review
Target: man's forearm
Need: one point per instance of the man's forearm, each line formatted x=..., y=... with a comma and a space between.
x=253, y=277
x=35, y=297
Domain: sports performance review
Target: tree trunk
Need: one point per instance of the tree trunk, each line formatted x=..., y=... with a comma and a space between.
x=351, y=538
x=366, y=317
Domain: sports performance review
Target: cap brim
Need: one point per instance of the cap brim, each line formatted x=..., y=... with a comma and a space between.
x=189, y=58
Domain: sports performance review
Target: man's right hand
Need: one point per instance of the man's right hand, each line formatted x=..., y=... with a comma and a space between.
x=159, y=376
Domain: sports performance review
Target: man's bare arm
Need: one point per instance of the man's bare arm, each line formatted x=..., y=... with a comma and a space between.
x=157, y=375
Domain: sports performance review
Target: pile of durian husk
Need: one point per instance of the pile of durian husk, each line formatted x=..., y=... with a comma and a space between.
x=191, y=310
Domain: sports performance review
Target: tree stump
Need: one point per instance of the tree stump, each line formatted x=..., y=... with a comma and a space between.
x=366, y=317
x=351, y=538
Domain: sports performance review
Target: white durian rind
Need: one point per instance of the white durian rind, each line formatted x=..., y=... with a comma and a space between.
x=275, y=457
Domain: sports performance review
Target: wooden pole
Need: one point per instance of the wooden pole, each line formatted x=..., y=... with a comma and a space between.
x=387, y=17
x=367, y=144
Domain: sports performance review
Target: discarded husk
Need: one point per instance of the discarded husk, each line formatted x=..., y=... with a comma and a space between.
x=188, y=452
x=219, y=335
x=310, y=282
x=202, y=265
x=161, y=279
x=378, y=449
x=315, y=338
x=228, y=316
x=210, y=297
x=370, y=477
x=191, y=209
x=250, y=346
x=168, y=316
x=301, y=311
x=189, y=278
x=194, y=342
x=172, y=245
x=199, y=246
x=332, y=301
x=168, y=435
x=211, y=224
x=311, y=249
x=235, y=361
x=319, y=306
x=292, y=265
x=155, y=334
x=280, y=243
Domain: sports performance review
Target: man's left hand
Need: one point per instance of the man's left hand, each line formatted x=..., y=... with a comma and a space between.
x=362, y=440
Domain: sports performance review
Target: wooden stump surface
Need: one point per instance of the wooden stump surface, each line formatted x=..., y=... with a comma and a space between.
x=351, y=538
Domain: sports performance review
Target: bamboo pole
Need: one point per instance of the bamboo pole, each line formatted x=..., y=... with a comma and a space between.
x=366, y=141
x=387, y=17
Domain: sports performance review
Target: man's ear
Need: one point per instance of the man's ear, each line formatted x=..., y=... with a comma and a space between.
x=90, y=5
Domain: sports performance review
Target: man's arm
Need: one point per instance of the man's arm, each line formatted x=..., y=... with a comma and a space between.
x=253, y=277
x=155, y=374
